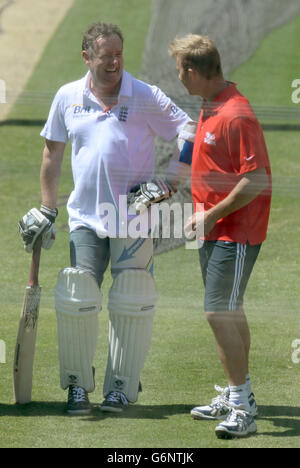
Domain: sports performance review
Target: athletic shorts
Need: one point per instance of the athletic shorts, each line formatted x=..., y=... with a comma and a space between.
x=94, y=254
x=226, y=269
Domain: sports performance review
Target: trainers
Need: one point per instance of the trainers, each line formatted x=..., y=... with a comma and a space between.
x=253, y=408
x=238, y=423
x=115, y=402
x=78, y=401
x=218, y=409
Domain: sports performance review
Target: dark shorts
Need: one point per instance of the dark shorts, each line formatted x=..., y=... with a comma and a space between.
x=226, y=269
x=90, y=252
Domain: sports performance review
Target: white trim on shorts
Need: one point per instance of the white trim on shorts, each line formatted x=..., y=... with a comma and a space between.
x=241, y=250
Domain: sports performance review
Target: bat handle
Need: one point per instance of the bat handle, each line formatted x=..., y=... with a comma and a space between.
x=35, y=263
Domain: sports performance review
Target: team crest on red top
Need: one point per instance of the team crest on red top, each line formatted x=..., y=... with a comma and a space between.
x=210, y=139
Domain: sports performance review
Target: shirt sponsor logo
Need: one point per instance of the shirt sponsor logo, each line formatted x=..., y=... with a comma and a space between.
x=172, y=108
x=210, y=139
x=81, y=109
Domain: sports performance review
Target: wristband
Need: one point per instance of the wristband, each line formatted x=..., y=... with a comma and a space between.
x=50, y=214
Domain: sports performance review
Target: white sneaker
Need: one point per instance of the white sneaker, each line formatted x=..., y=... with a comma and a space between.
x=218, y=409
x=238, y=423
x=253, y=408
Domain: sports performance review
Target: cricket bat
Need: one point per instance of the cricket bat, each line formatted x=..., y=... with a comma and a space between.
x=25, y=346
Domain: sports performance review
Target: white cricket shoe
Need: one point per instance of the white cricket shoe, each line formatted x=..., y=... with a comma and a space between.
x=238, y=423
x=218, y=409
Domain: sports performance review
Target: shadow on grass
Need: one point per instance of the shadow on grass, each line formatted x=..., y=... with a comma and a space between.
x=37, y=408
x=54, y=408
x=23, y=123
x=285, y=417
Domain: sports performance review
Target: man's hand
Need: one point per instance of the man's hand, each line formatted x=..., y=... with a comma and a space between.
x=148, y=193
x=245, y=191
x=200, y=224
x=35, y=224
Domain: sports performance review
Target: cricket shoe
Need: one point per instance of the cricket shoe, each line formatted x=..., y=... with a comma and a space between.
x=115, y=402
x=218, y=409
x=78, y=401
x=239, y=423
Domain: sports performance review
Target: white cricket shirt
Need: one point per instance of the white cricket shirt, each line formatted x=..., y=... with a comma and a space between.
x=112, y=151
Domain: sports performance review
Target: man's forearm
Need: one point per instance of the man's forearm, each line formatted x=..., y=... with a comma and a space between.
x=50, y=173
x=247, y=189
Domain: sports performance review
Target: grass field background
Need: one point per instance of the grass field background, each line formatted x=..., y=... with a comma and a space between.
x=182, y=365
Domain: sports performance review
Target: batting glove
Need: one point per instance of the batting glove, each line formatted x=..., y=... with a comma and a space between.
x=142, y=196
x=38, y=223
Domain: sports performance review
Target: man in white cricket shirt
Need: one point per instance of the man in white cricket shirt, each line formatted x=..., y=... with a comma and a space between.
x=111, y=120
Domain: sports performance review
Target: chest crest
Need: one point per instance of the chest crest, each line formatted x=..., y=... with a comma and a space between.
x=210, y=139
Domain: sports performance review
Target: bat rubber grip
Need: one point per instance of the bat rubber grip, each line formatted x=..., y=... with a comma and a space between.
x=35, y=264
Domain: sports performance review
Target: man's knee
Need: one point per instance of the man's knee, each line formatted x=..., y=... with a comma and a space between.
x=210, y=316
x=223, y=317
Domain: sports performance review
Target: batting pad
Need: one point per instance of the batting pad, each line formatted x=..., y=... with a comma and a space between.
x=131, y=305
x=77, y=303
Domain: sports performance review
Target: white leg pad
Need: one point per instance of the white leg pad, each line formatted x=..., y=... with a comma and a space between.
x=77, y=303
x=131, y=305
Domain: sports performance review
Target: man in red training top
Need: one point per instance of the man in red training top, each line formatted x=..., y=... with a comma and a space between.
x=231, y=178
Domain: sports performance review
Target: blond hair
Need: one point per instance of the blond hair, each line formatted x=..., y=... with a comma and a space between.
x=197, y=52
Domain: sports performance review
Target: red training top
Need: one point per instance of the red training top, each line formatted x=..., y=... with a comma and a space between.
x=229, y=143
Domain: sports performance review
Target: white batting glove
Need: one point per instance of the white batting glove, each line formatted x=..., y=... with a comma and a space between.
x=35, y=224
x=49, y=237
x=141, y=197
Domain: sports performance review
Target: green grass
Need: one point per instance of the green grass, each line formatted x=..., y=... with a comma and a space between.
x=62, y=62
x=278, y=57
x=182, y=365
